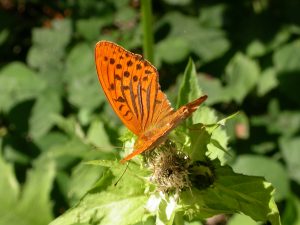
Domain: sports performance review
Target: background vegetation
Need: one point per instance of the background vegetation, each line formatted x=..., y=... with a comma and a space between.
x=52, y=109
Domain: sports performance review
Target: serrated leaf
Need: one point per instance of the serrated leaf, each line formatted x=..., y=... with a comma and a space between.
x=18, y=83
x=242, y=74
x=273, y=171
x=46, y=106
x=231, y=193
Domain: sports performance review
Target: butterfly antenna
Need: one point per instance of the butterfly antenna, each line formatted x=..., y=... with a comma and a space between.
x=122, y=174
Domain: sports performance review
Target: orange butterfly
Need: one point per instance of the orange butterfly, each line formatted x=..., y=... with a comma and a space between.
x=130, y=84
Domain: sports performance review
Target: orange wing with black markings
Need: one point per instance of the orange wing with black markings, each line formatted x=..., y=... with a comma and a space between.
x=131, y=85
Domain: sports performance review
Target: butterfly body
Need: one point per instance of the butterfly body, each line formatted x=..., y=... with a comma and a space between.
x=130, y=84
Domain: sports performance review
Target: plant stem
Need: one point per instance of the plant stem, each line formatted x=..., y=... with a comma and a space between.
x=146, y=9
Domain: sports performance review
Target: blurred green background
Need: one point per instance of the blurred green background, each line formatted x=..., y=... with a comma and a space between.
x=53, y=114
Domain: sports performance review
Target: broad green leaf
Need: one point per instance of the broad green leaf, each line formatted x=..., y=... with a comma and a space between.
x=35, y=196
x=48, y=51
x=9, y=188
x=84, y=90
x=97, y=136
x=231, y=193
x=286, y=123
x=242, y=74
x=89, y=28
x=67, y=153
x=258, y=48
x=209, y=140
x=214, y=89
x=267, y=81
x=289, y=148
x=82, y=179
x=286, y=59
x=41, y=120
x=51, y=139
x=109, y=204
x=291, y=214
x=212, y=15
x=69, y=125
x=18, y=83
x=207, y=43
x=239, y=219
x=273, y=171
x=172, y=50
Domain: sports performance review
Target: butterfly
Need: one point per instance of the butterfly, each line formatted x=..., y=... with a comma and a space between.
x=131, y=86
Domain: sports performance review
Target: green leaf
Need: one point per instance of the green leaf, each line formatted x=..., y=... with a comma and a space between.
x=214, y=89
x=207, y=43
x=242, y=74
x=273, y=171
x=9, y=188
x=90, y=28
x=291, y=214
x=212, y=15
x=48, y=50
x=266, y=82
x=35, y=196
x=200, y=138
x=84, y=90
x=172, y=50
x=109, y=204
x=289, y=148
x=189, y=89
x=209, y=140
x=239, y=219
x=41, y=120
x=97, y=136
x=18, y=83
x=82, y=179
x=286, y=59
x=231, y=193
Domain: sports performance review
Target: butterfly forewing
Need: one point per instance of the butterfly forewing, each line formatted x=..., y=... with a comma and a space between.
x=131, y=86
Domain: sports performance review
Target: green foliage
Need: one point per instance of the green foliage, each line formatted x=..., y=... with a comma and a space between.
x=58, y=133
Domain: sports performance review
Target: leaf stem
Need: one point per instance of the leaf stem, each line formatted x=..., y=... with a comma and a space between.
x=146, y=10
